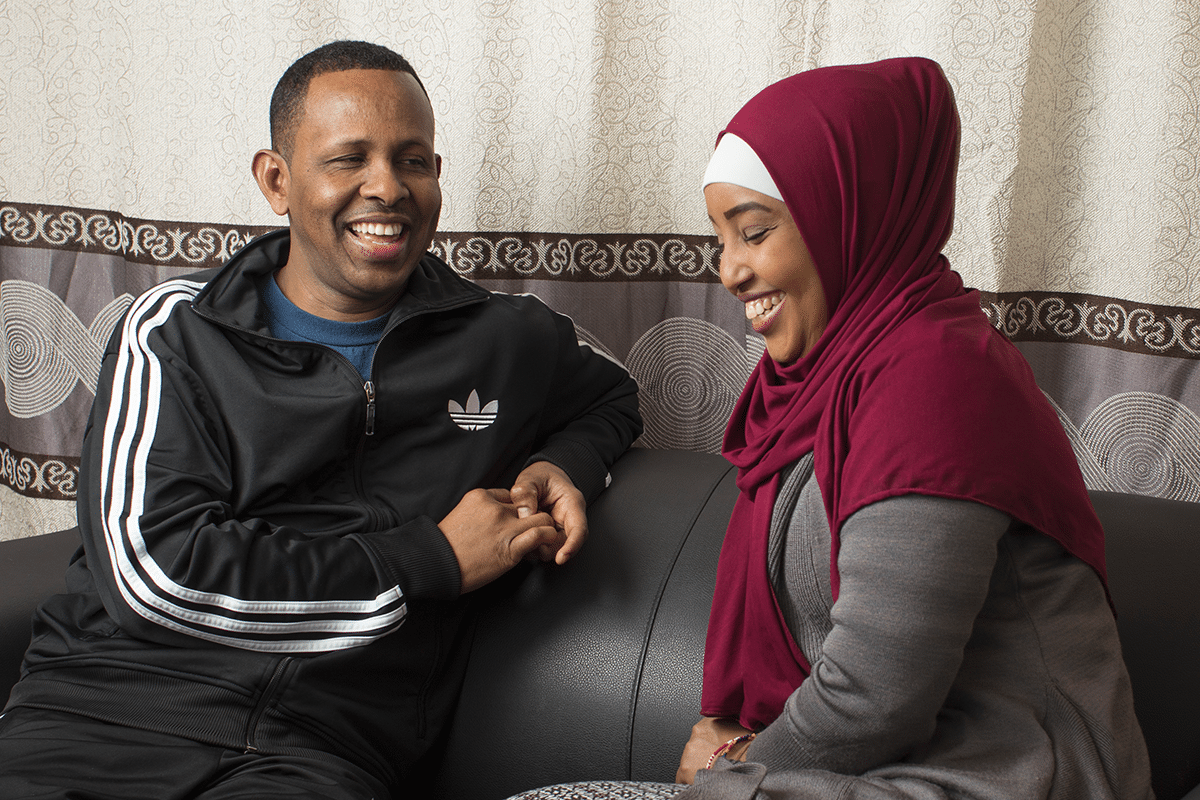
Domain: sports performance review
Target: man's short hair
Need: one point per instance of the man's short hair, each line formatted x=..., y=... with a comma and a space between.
x=287, y=101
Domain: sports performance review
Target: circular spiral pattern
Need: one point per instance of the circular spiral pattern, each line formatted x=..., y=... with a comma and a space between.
x=1147, y=444
x=689, y=374
x=38, y=375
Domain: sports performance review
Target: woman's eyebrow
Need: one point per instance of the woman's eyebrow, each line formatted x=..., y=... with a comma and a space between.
x=741, y=208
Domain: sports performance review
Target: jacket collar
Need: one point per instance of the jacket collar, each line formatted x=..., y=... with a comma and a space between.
x=231, y=296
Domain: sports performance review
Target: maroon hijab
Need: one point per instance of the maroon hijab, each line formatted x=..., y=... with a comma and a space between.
x=908, y=391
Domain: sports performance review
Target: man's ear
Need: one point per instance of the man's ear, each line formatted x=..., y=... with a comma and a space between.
x=271, y=172
x=437, y=160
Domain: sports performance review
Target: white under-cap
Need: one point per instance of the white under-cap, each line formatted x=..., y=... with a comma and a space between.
x=735, y=162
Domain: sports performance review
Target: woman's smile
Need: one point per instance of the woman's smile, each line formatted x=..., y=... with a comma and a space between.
x=762, y=310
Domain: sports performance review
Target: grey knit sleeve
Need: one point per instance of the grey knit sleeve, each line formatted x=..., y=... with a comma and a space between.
x=914, y=574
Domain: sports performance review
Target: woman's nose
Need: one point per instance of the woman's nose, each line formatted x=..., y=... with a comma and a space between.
x=733, y=269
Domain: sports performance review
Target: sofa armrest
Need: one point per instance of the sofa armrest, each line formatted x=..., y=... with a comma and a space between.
x=592, y=670
x=1153, y=551
x=31, y=570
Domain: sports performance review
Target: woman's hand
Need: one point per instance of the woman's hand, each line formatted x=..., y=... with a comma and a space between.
x=707, y=735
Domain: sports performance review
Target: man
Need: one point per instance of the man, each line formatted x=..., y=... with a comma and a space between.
x=294, y=469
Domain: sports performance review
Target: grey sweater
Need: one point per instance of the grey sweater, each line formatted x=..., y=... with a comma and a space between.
x=967, y=656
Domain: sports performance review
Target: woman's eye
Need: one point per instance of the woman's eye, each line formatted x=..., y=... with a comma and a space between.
x=755, y=235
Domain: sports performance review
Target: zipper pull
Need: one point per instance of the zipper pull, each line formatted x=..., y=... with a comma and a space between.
x=369, y=388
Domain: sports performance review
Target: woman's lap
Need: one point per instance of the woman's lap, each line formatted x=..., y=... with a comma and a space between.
x=603, y=790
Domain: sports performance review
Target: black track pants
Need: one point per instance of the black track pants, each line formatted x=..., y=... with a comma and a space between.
x=47, y=755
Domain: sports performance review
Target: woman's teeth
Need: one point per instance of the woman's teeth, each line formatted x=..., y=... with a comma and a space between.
x=762, y=305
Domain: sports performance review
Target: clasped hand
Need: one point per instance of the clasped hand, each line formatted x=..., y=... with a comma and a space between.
x=707, y=736
x=542, y=516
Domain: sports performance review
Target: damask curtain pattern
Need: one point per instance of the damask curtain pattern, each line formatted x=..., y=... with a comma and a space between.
x=574, y=135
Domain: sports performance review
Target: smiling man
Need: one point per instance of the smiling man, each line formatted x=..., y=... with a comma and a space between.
x=358, y=179
x=297, y=469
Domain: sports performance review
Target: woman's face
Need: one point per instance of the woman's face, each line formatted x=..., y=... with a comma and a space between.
x=767, y=266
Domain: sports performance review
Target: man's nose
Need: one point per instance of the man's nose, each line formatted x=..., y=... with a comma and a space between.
x=385, y=184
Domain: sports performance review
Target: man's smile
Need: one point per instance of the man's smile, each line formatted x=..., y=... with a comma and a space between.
x=379, y=240
x=377, y=229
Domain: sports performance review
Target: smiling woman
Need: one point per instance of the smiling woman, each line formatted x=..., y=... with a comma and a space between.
x=910, y=598
x=767, y=266
x=360, y=189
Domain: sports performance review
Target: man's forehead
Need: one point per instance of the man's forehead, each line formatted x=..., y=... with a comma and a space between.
x=353, y=83
x=357, y=91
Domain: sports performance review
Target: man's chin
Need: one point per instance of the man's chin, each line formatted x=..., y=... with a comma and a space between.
x=383, y=282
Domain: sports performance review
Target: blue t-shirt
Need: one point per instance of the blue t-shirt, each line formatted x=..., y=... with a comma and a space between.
x=355, y=340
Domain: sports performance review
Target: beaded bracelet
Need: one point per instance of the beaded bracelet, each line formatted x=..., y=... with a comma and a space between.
x=725, y=748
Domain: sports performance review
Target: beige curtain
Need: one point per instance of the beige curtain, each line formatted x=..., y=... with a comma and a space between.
x=574, y=134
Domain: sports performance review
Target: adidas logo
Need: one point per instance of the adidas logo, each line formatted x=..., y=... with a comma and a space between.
x=474, y=418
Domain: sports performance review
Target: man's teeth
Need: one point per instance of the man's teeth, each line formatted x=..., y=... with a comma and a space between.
x=376, y=229
x=756, y=308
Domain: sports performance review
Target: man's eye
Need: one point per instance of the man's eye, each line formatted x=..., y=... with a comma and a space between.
x=414, y=162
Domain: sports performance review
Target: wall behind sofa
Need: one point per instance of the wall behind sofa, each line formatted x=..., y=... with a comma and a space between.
x=574, y=136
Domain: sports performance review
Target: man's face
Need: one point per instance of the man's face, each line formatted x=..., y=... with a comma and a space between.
x=361, y=192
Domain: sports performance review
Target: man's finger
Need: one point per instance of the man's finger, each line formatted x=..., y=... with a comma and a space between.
x=532, y=539
x=525, y=497
x=574, y=523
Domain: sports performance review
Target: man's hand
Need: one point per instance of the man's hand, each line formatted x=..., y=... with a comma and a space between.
x=707, y=735
x=489, y=537
x=544, y=487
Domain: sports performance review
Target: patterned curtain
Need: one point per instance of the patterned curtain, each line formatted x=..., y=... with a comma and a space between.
x=574, y=135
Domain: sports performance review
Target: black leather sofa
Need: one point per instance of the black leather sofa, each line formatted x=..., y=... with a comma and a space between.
x=592, y=670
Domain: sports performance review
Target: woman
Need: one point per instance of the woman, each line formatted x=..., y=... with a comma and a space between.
x=910, y=598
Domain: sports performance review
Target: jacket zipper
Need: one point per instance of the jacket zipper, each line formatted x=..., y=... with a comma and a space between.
x=372, y=513
x=369, y=388
x=267, y=696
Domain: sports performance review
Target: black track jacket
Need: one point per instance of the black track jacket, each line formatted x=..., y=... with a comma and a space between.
x=261, y=566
